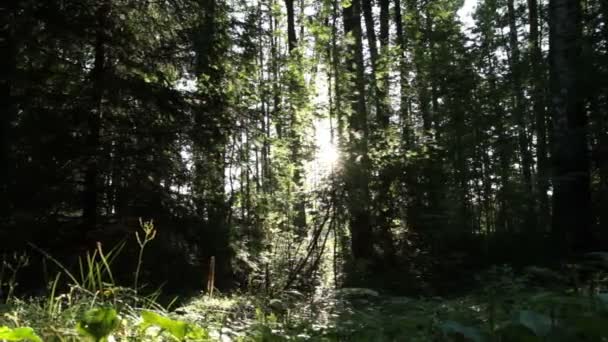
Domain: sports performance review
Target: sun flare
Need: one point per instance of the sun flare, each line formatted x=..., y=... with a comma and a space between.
x=327, y=154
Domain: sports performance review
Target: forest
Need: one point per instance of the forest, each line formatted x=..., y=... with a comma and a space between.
x=304, y=170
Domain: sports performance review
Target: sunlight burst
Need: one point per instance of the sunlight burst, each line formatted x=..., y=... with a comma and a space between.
x=327, y=154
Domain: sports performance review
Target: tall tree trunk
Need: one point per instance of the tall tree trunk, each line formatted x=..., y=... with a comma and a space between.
x=91, y=191
x=265, y=121
x=357, y=168
x=274, y=58
x=210, y=140
x=571, y=194
x=295, y=99
x=291, y=28
x=597, y=89
x=338, y=80
x=403, y=76
x=538, y=98
x=384, y=25
x=503, y=215
x=8, y=68
x=380, y=219
x=370, y=31
x=603, y=141
x=383, y=86
x=384, y=199
x=519, y=110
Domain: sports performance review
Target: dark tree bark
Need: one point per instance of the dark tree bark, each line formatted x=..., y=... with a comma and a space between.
x=335, y=62
x=538, y=98
x=266, y=171
x=603, y=126
x=571, y=194
x=384, y=24
x=210, y=140
x=403, y=81
x=519, y=110
x=276, y=100
x=384, y=200
x=597, y=88
x=370, y=32
x=8, y=109
x=357, y=168
x=98, y=74
x=291, y=28
x=383, y=86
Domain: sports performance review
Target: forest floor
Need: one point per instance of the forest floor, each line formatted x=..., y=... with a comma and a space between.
x=505, y=311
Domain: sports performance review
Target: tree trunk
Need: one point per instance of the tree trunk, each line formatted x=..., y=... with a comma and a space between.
x=335, y=63
x=403, y=81
x=291, y=29
x=538, y=98
x=370, y=30
x=8, y=68
x=603, y=142
x=357, y=168
x=210, y=140
x=571, y=194
x=295, y=99
x=519, y=110
x=383, y=86
x=91, y=205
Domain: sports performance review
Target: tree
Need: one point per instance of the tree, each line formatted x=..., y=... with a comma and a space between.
x=537, y=78
x=8, y=72
x=357, y=163
x=520, y=114
x=98, y=79
x=571, y=194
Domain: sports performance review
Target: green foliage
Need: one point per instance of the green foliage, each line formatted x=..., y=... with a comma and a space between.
x=95, y=272
x=9, y=268
x=98, y=323
x=179, y=330
x=530, y=316
x=19, y=334
x=149, y=235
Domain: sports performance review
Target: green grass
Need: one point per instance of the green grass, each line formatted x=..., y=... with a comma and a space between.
x=489, y=315
x=506, y=307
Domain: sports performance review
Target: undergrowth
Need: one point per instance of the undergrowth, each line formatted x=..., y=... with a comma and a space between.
x=507, y=307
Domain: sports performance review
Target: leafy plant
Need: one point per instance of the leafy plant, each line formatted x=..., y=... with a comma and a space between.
x=179, y=330
x=98, y=323
x=19, y=334
x=149, y=235
x=95, y=271
x=10, y=268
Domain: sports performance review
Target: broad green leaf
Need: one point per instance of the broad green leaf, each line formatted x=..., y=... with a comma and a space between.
x=98, y=323
x=178, y=329
x=19, y=334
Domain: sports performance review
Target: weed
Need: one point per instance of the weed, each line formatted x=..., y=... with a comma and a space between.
x=9, y=269
x=149, y=235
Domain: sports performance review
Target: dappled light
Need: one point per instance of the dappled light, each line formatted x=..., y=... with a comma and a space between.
x=312, y=170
